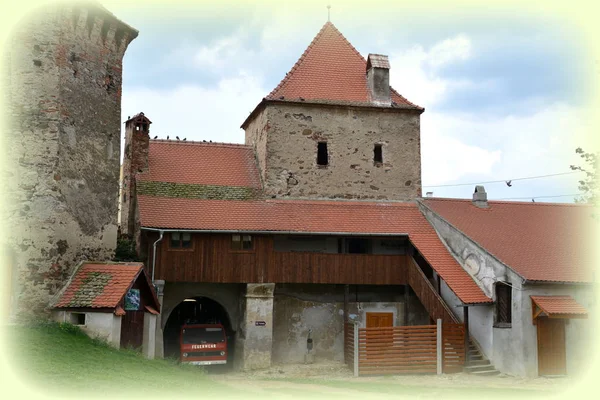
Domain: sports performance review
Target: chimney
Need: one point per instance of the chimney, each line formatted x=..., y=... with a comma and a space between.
x=480, y=197
x=378, y=79
x=135, y=160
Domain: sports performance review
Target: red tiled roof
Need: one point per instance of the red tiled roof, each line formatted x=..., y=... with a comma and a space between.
x=330, y=69
x=96, y=285
x=559, y=305
x=539, y=241
x=221, y=164
x=313, y=216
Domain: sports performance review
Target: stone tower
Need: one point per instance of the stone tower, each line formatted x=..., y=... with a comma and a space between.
x=135, y=160
x=334, y=128
x=62, y=143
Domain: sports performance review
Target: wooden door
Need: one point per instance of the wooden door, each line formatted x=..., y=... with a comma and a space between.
x=132, y=329
x=552, y=356
x=380, y=320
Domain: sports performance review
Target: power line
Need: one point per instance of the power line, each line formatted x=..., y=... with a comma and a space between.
x=504, y=180
x=538, y=197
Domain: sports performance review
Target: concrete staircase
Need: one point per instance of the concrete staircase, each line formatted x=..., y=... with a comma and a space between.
x=478, y=364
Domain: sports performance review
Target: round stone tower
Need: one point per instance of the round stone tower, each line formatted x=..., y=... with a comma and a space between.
x=62, y=144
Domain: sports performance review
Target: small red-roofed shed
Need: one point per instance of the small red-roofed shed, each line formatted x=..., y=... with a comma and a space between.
x=112, y=301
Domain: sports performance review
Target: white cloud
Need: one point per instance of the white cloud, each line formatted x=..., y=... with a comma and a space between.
x=196, y=112
x=415, y=72
x=535, y=144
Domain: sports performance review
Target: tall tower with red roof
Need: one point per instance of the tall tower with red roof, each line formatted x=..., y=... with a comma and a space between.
x=334, y=128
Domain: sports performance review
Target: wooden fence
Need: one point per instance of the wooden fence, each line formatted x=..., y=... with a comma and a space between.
x=405, y=349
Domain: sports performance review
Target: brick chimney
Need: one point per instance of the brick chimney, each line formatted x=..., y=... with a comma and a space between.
x=135, y=160
x=378, y=79
x=480, y=197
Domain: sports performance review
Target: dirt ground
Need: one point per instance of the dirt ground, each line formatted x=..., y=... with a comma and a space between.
x=335, y=379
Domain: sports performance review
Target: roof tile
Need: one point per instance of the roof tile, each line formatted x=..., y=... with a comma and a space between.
x=314, y=216
x=539, y=241
x=330, y=69
x=559, y=305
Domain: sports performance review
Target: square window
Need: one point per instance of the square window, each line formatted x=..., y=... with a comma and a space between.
x=77, y=318
x=239, y=242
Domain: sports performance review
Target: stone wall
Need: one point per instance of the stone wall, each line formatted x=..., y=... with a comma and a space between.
x=320, y=308
x=285, y=137
x=62, y=143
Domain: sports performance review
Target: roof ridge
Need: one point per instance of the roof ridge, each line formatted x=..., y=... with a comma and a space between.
x=298, y=63
x=196, y=142
x=531, y=203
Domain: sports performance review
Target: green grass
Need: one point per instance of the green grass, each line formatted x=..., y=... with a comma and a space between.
x=59, y=357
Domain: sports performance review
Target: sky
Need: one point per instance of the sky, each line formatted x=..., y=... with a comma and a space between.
x=505, y=91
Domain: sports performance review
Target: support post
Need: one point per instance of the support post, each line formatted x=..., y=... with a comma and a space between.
x=406, y=299
x=440, y=348
x=346, y=319
x=466, y=326
x=355, y=349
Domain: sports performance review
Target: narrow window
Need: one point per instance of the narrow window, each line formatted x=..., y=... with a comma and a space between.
x=503, y=304
x=241, y=242
x=175, y=240
x=322, y=156
x=186, y=240
x=378, y=154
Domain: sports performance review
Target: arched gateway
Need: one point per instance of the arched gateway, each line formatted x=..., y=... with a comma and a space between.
x=196, y=310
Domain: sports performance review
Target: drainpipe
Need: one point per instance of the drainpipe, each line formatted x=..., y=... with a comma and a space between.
x=154, y=253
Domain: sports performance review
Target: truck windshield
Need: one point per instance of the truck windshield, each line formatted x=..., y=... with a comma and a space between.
x=203, y=335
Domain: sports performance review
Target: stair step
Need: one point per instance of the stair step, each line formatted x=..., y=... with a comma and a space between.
x=486, y=373
x=479, y=362
x=474, y=368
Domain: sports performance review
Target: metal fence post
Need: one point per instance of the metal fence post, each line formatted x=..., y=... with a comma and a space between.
x=440, y=348
x=355, y=349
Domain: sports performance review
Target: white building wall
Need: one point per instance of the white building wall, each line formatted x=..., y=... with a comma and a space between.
x=102, y=325
x=512, y=350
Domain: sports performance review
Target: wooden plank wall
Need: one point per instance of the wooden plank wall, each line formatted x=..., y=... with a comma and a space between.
x=405, y=349
x=433, y=303
x=453, y=337
x=397, y=350
x=211, y=259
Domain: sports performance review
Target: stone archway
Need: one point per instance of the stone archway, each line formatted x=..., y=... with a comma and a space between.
x=198, y=310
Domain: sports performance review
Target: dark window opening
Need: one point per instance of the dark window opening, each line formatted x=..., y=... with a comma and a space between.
x=78, y=318
x=203, y=335
x=181, y=240
x=503, y=304
x=357, y=246
x=322, y=156
x=241, y=242
x=378, y=154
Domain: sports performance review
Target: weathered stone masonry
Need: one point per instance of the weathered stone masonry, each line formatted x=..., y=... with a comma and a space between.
x=285, y=136
x=62, y=143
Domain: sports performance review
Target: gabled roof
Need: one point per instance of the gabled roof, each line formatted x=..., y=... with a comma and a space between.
x=313, y=216
x=559, y=306
x=539, y=241
x=199, y=163
x=102, y=285
x=329, y=71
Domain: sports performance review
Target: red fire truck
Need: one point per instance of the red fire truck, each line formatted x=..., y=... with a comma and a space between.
x=203, y=344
